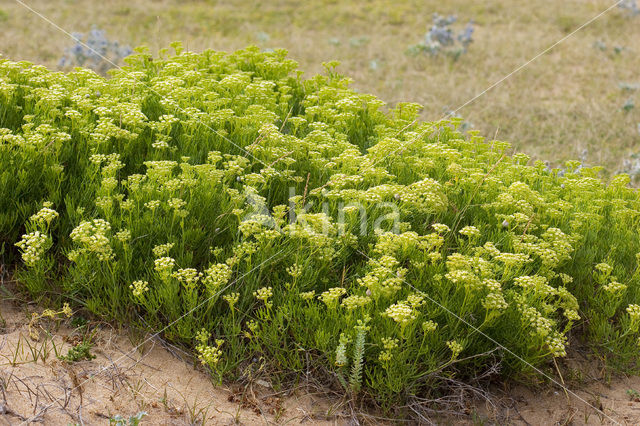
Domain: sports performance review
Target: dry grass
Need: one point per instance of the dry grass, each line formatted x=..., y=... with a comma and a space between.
x=565, y=102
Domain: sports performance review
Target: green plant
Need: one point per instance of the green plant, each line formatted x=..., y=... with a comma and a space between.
x=223, y=198
x=118, y=420
x=355, y=379
x=79, y=352
x=79, y=321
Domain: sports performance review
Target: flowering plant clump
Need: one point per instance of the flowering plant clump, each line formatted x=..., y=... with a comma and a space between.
x=138, y=288
x=264, y=294
x=207, y=354
x=33, y=246
x=308, y=223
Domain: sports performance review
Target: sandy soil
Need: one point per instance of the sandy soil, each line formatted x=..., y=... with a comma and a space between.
x=37, y=387
x=594, y=402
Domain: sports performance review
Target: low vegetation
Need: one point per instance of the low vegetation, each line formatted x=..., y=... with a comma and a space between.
x=234, y=206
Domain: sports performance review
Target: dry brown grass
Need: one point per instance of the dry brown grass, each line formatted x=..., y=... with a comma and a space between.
x=563, y=103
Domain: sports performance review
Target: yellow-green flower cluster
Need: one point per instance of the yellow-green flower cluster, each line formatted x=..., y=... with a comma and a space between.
x=470, y=232
x=294, y=270
x=162, y=249
x=440, y=228
x=494, y=300
x=455, y=348
x=232, y=299
x=124, y=236
x=634, y=312
x=556, y=344
x=152, y=205
x=307, y=295
x=465, y=278
x=264, y=294
x=208, y=355
x=93, y=239
x=537, y=284
x=33, y=247
x=332, y=296
x=45, y=216
x=614, y=288
x=385, y=277
x=389, y=344
x=216, y=276
x=552, y=249
x=189, y=277
x=429, y=326
x=426, y=196
x=355, y=301
x=178, y=204
x=540, y=326
x=164, y=266
x=604, y=268
x=48, y=313
x=139, y=288
x=513, y=260
x=402, y=313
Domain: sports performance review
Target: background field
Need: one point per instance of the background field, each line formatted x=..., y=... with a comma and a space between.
x=566, y=104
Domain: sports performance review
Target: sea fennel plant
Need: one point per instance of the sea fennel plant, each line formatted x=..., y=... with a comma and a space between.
x=249, y=212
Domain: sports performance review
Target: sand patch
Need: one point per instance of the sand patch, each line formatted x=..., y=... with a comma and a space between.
x=120, y=380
